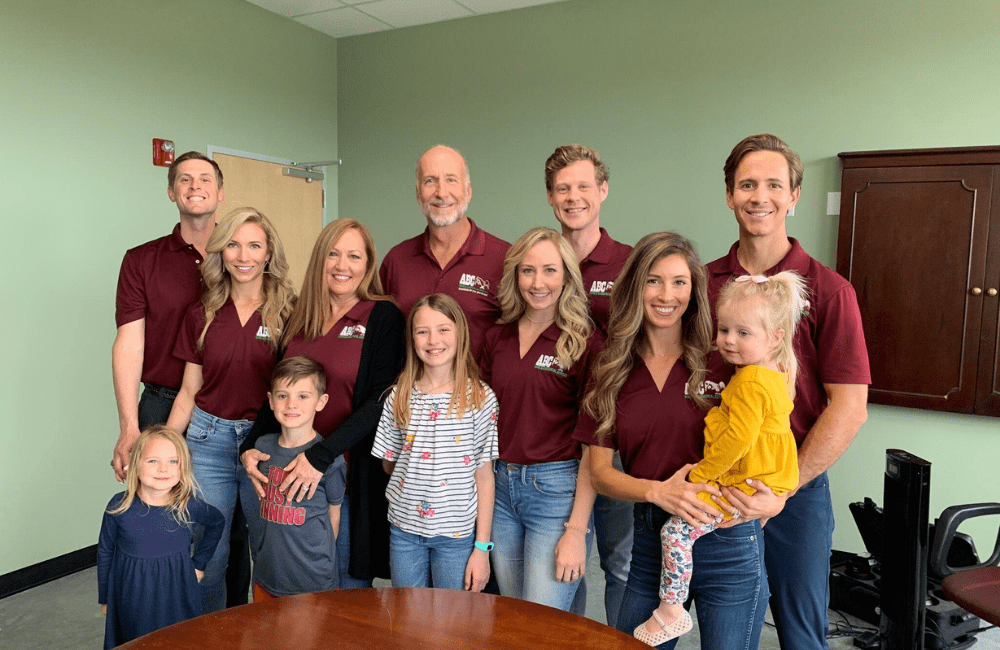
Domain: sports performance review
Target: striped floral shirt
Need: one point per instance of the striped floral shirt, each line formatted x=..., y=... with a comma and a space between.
x=432, y=491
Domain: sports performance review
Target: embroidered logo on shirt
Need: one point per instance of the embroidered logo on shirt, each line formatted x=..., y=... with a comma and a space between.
x=708, y=389
x=550, y=363
x=352, y=332
x=263, y=334
x=474, y=283
x=601, y=287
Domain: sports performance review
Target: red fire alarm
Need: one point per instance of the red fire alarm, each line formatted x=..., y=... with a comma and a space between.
x=163, y=152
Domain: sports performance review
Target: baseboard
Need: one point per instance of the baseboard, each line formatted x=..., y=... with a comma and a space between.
x=38, y=574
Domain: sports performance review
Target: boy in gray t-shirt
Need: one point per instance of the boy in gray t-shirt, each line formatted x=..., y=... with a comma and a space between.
x=296, y=545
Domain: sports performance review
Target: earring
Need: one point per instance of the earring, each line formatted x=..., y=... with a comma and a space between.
x=267, y=266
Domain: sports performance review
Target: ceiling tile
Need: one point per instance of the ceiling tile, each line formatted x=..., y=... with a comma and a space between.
x=297, y=7
x=342, y=22
x=404, y=13
x=490, y=6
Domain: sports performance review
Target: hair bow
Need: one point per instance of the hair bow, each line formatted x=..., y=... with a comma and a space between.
x=759, y=279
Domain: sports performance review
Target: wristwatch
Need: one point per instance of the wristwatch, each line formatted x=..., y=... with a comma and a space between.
x=485, y=546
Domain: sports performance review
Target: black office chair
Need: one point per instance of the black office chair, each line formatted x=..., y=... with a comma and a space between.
x=975, y=588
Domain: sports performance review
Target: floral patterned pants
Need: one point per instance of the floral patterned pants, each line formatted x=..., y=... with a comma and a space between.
x=678, y=538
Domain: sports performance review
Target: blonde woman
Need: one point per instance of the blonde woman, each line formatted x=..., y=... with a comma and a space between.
x=537, y=359
x=653, y=384
x=344, y=321
x=229, y=342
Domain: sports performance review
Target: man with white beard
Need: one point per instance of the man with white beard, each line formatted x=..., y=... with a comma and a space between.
x=453, y=255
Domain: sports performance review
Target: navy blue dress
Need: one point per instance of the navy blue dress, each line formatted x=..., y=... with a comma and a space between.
x=145, y=571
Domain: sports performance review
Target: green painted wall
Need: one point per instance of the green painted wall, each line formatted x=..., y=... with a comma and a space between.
x=84, y=87
x=664, y=90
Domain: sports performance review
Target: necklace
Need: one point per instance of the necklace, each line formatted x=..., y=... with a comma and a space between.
x=435, y=388
x=544, y=320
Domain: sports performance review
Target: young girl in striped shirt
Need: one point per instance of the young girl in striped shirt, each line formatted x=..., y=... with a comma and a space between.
x=438, y=438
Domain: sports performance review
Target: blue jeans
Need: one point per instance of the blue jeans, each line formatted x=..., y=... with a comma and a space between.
x=347, y=581
x=250, y=503
x=613, y=530
x=532, y=504
x=414, y=559
x=214, y=445
x=798, y=541
x=729, y=583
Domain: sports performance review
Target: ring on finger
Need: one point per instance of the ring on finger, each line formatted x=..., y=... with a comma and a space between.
x=736, y=513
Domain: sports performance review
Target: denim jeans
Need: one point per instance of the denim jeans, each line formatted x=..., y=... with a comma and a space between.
x=250, y=503
x=798, y=543
x=214, y=445
x=729, y=583
x=532, y=504
x=347, y=581
x=415, y=558
x=613, y=531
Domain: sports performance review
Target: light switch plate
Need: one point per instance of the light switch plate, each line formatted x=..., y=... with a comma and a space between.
x=833, y=203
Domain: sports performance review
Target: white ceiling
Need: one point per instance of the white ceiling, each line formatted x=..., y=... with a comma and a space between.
x=339, y=18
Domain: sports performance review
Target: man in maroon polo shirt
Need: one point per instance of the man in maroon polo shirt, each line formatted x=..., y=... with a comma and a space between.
x=157, y=282
x=763, y=180
x=453, y=255
x=576, y=183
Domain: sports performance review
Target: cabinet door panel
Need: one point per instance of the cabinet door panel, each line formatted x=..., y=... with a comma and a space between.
x=912, y=244
x=988, y=395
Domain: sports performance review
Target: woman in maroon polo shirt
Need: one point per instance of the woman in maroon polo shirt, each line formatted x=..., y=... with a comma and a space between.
x=344, y=321
x=536, y=360
x=652, y=386
x=229, y=342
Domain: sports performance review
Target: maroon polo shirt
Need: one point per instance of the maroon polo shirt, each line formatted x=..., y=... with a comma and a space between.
x=157, y=282
x=236, y=361
x=409, y=272
x=829, y=343
x=657, y=432
x=339, y=352
x=539, y=399
x=600, y=269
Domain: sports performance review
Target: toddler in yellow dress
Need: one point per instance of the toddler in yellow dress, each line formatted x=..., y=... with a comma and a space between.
x=748, y=435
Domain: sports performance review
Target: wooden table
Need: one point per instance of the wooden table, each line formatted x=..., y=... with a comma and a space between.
x=389, y=619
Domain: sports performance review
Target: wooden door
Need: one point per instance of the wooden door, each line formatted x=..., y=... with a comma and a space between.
x=913, y=244
x=294, y=206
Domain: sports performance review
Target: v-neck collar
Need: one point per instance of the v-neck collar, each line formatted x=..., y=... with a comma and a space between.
x=551, y=333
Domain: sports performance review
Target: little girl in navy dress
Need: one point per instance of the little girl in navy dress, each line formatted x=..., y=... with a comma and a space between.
x=748, y=435
x=146, y=576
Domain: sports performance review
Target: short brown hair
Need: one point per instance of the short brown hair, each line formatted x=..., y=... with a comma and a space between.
x=569, y=154
x=762, y=142
x=192, y=155
x=293, y=369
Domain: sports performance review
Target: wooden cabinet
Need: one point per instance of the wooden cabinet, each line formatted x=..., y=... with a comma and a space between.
x=920, y=242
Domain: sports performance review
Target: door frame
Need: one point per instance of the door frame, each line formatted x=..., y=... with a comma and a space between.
x=212, y=150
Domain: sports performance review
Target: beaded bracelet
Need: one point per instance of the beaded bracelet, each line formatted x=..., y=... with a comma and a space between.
x=582, y=529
